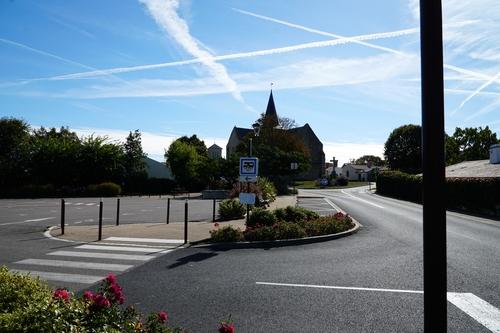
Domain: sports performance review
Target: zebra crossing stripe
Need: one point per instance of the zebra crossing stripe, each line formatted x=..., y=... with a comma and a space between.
x=477, y=308
x=62, y=277
x=75, y=264
x=101, y=255
x=146, y=240
x=120, y=248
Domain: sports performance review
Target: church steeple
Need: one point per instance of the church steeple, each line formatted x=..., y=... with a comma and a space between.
x=271, y=117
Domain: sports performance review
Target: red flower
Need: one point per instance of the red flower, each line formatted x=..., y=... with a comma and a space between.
x=111, y=278
x=162, y=317
x=88, y=295
x=226, y=328
x=61, y=294
x=101, y=301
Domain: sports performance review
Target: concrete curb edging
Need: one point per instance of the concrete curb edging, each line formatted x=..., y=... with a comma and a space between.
x=280, y=242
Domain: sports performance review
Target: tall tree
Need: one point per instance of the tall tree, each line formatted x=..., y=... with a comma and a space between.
x=283, y=122
x=403, y=149
x=365, y=159
x=469, y=144
x=133, y=159
x=198, y=144
x=14, y=148
x=185, y=163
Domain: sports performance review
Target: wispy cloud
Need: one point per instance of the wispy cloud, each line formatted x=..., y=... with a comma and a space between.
x=240, y=55
x=165, y=14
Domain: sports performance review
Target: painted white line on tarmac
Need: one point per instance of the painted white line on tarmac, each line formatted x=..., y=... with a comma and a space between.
x=75, y=264
x=337, y=208
x=63, y=277
x=145, y=240
x=28, y=221
x=365, y=201
x=482, y=311
x=341, y=288
x=119, y=248
x=101, y=255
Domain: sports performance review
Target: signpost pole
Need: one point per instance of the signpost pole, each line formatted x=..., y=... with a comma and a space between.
x=433, y=166
x=248, y=183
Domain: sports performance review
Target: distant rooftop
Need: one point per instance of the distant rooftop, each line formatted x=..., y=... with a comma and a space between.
x=480, y=168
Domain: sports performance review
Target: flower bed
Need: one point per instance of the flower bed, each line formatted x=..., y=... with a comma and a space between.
x=29, y=305
x=287, y=223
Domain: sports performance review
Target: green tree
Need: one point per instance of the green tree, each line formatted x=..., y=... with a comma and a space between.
x=133, y=159
x=14, y=149
x=185, y=163
x=54, y=157
x=403, y=149
x=284, y=122
x=469, y=144
x=198, y=144
x=374, y=160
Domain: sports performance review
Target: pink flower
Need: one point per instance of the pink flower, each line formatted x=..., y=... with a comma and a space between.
x=162, y=317
x=61, y=294
x=101, y=301
x=111, y=278
x=226, y=328
x=88, y=295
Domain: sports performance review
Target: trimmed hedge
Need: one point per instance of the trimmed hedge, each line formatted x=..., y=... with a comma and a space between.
x=479, y=195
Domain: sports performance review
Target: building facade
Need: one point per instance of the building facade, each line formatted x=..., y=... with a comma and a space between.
x=304, y=133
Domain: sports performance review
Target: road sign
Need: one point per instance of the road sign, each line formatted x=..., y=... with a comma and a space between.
x=294, y=166
x=249, y=166
x=323, y=182
x=248, y=179
x=247, y=198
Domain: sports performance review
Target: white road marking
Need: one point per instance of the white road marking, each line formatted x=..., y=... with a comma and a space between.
x=79, y=203
x=482, y=311
x=101, y=255
x=146, y=240
x=75, y=264
x=28, y=221
x=338, y=287
x=365, y=201
x=63, y=277
x=90, y=204
x=119, y=248
x=337, y=208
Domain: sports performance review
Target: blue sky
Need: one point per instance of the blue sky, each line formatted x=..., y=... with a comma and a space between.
x=350, y=69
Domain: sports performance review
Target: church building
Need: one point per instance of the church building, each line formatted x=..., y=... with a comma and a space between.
x=304, y=133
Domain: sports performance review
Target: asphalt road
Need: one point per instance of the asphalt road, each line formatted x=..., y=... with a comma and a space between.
x=24, y=247
x=367, y=282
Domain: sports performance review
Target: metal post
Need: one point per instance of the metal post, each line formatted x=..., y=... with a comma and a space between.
x=168, y=210
x=63, y=215
x=118, y=211
x=213, y=211
x=99, y=237
x=248, y=183
x=433, y=166
x=186, y=221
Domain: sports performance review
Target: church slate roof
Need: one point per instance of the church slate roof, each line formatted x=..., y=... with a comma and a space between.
x=271, y=114
x=241, y=132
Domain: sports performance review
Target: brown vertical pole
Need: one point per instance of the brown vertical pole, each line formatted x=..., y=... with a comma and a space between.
x=213, y=211
x=118, y=211
x=168, y=210
x=433, y=165
x=99, y=237
x=186, y=221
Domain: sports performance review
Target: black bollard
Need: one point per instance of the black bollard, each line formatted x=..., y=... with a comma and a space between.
x=100, y=221
x=118, y=211
x=213, y=211
x=168, y=210
x=186, y=222
x=63, y=213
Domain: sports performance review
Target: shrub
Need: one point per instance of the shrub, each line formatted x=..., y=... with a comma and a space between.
x=341, y=181
x=400, y=185
x=28, y=305
x=326, y=225
x=265, y=233
x=104, y=190
x=260, y=216
x=267, y=189
x=231, y=209
x=226, y=234
x=288, y=230
x=294, y=214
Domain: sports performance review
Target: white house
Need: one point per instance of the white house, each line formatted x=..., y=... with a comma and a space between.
x=358, y=171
